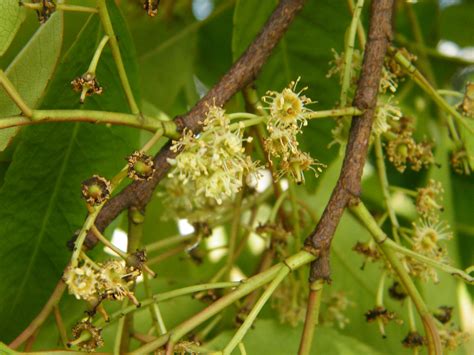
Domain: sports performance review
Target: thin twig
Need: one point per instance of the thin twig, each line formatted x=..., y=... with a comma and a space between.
x=348, y=185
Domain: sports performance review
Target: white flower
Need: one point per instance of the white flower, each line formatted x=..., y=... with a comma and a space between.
x=81, y=281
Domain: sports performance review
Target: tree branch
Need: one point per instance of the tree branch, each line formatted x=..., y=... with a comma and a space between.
x=243, y=72
x=347, y=189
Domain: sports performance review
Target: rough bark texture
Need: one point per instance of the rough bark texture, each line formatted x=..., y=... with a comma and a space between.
x=347, y=189
x=243, y=72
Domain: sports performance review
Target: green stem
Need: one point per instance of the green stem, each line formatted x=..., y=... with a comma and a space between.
x=348, y=53
x=109, y=30
x=155, y=312
x=434, y=344
x=382, y=174
x=62, y=7
x=337, y=112
x=250, y=319
x=312, y=317
x=253, y=283
x=96, y=57
x=14, y=95
x=60, y=325
x=120, y=331
x=160, y=244
x=107, y=243
x=360, y=28
x=246, y=115
x=101, y=117
x=424, y=84
x=451, y=93
x=164, y=297
x=463, y=275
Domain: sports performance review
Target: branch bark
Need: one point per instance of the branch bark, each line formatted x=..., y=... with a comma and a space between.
x=348, y=188
x=243, y=72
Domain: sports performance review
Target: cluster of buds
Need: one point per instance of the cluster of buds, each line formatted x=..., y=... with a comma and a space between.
x=87, y=85
x=336, y=307
x=287, y=116
x=215, y=163
x=140, y=166
x=96, y=190
x=290, y=301
x=403, y=151
x=111, y=280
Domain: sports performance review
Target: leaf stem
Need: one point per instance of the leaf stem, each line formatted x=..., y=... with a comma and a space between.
x=109, y=30
x=60, y=325
x=250, y=319
x=312, y=317
x=14, y=95
x=156, y=317
x=107, y=243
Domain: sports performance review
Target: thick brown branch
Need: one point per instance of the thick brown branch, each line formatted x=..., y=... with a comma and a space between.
x=244, y=71
x=348, y=185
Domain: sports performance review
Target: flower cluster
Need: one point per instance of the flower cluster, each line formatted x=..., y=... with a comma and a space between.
x=386, y=113
x=110, y=280
x=467, y=105
x=210, y=169
x=287, y=116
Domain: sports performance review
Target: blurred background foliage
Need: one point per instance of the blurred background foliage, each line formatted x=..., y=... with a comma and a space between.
x=172, y=60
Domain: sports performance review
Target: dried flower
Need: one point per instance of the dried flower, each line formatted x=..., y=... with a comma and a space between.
x=413, y=340
x=382, y=316
x=467, y=105
x=81, y=281
x=113, y=281
x=368, y=250
x=151, y=7
x=443, y=314
x=461, y=162
x=140, y=166
x=87, y=85
x=451, y=339
x=48, y=7
x=428, y=200
x=403, y=151
x=397, y=292
x=86, y=336
x=96, y=190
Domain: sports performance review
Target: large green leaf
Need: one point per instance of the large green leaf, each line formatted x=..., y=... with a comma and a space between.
x=453, y=24
x=42, y=184
x=11, y=17
x=31, y=71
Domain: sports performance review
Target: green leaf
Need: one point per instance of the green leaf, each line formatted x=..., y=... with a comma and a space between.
x=270, y=337
x=453, y=24
x=42, y=184
x=11, y=17
x=31, y=71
